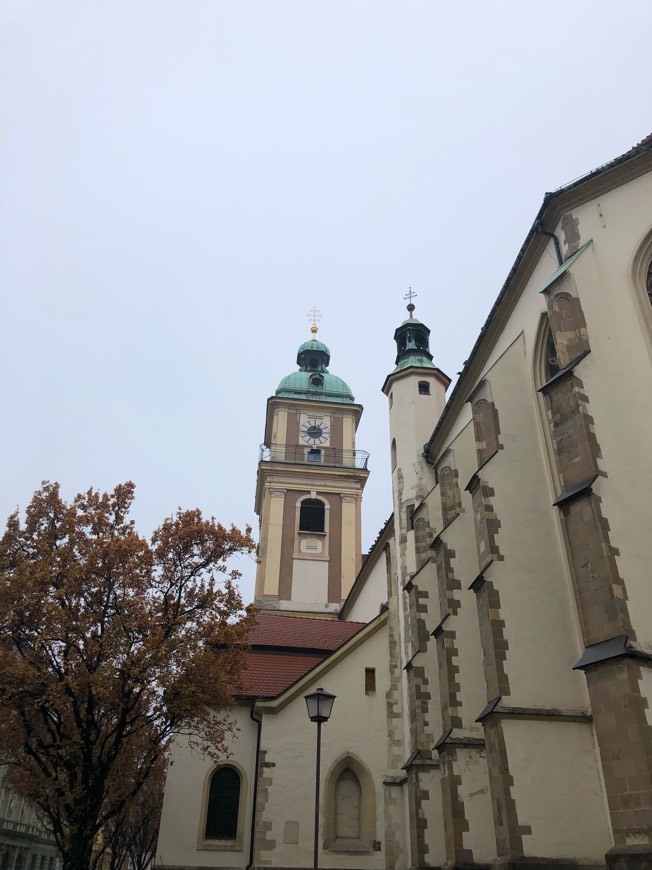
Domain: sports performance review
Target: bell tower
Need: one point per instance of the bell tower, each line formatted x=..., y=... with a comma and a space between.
x=309, y=490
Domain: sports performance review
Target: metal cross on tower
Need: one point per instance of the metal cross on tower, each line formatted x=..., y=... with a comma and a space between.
x=315, y=316
x=410, y=295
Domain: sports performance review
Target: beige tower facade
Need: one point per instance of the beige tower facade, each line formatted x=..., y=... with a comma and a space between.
x=309, y=490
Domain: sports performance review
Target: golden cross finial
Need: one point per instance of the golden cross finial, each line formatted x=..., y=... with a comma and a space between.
x=410, y=295
x=314, y=314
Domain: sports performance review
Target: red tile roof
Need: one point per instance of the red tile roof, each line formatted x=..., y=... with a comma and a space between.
x=301, y=632
x=267, y=673
x=284, y=648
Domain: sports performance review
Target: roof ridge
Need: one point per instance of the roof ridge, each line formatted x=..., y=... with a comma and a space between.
x=266, y=613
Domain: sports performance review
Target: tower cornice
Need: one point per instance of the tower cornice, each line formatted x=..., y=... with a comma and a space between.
x=410, y=371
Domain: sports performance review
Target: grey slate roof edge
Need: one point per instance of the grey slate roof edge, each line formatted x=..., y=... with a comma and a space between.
x=612, y=648
x=576, y=491
x=438, y=629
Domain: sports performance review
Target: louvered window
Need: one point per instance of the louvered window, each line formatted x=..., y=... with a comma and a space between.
x=312, y=515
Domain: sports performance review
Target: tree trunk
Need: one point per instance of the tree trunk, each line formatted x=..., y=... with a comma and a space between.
x=78, y=854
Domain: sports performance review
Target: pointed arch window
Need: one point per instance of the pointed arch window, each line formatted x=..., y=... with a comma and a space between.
x=551, y=363
x=348, y=806
x=312, y=515
x=350, y=824
x=223, y=805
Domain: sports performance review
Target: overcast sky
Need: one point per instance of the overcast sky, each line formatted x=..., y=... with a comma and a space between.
x=182, y=179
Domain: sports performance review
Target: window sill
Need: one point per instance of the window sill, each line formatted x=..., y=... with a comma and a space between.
x=220, y=845
x=349, y=847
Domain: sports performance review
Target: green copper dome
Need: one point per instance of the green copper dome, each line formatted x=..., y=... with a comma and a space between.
x=313, y=381
x=314, y=345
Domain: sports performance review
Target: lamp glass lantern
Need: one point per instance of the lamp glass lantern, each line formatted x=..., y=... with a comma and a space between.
x=319, y=704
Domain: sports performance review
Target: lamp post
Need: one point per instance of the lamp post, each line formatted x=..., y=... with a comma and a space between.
x=319, y=704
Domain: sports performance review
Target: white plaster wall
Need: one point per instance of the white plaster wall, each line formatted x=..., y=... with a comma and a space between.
x=537, y=601
x=646, y=691
x=434, y=832
x=412, y=418
x=617, y=377
x=474, y=793
x=374, y=592
x=358, y=725
x=182, y=819
x=559, y=795
x=309, y=582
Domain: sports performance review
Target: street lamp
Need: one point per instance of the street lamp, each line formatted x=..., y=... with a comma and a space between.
x=319, y=704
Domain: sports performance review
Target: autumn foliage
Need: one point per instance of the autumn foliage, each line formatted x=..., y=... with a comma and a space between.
x=109, y=644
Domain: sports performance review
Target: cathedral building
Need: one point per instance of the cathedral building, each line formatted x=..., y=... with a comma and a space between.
x=491, y=657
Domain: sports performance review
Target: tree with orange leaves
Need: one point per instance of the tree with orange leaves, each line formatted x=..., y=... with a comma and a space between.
x=109, y=644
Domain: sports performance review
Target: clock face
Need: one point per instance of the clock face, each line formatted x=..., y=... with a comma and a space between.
x=314, y=431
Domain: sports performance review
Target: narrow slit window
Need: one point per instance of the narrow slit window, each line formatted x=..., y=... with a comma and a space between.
x=370, y=681
x=409, y=515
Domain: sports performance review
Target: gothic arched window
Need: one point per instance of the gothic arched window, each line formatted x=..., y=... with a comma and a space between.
x=312, y=515
x=551, y=360
x=348, y=806
x=350, y=823
x=223, y=805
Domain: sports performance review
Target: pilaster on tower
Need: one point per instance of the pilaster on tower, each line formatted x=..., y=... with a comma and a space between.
x=309, y=490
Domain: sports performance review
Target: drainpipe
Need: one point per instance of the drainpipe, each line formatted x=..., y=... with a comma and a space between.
x=259, y=722
x=538, y=228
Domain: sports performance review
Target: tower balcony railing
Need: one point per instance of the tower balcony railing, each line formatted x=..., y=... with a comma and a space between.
x=332, y=457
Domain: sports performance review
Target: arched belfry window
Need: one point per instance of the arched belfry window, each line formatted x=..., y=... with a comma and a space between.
x=223, y=805
x=312, y=515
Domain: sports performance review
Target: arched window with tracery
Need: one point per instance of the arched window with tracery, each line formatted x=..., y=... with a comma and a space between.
x=312, y=515
x=551, y=362
x=223, y=804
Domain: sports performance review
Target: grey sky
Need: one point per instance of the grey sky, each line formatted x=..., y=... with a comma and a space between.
x=181, y=181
